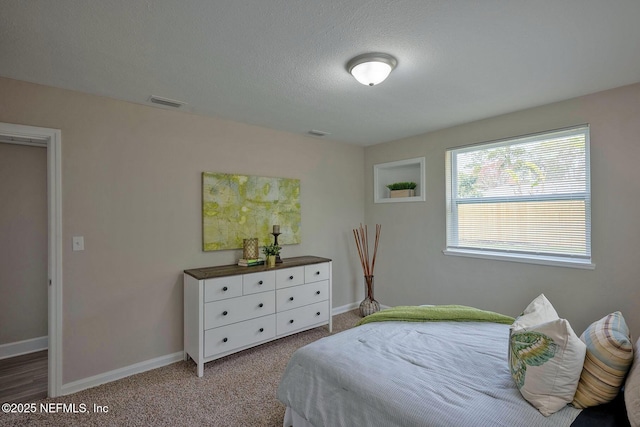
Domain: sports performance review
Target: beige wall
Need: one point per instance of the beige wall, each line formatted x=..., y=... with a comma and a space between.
x=131, y=185
x=412, y=269
x=23, y=242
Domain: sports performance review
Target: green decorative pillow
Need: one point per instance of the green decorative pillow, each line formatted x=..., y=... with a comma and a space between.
x=609, y=356
x=545, y=357
x=632, y=390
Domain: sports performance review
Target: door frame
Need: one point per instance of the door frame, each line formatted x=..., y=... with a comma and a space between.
x=51, y=139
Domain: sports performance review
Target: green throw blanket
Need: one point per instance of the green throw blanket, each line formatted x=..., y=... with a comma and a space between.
x=435, y=313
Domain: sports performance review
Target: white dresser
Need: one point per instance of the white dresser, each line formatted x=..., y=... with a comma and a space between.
x=231, y=308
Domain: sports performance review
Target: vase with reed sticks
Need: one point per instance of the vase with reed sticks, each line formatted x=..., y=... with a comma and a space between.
x=369, y=305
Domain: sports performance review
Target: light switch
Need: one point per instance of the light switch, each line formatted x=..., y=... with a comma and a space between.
x=78, y=243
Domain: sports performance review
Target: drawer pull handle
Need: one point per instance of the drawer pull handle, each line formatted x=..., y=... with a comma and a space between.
x=224, y=340
x=290, y=277
x=318, y=314
x=225, y=289
x=317, y=292
x=317, y=273
x=291, y=299
x=224, y=313
x=260, y=282
x=261, y=305
x=261, y=329
x=291, y=321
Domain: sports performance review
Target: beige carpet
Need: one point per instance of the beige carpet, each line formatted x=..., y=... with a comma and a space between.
x=238, y=390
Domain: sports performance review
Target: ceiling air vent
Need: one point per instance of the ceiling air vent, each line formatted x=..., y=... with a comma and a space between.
x=166, y=101
x=317, y=132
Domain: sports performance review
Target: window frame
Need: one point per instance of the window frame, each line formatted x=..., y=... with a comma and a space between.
x=532, y=257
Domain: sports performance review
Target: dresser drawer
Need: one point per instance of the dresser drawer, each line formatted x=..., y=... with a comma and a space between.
x=225, y=312
x=300, y=318
x=222, y=288
x=289, y=277
x=316, y=272
x=258, y=282
x=231, y=337
x=297, y=296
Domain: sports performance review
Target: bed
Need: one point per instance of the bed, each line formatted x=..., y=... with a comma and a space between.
x=436, y=373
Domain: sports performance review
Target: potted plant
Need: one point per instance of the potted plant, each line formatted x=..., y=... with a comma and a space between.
x=402, y=189
x=271, y=251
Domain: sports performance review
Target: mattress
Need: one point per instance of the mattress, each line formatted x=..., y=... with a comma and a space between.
x=410, y=374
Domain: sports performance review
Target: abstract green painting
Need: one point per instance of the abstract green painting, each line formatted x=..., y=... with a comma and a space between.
x=237, y=207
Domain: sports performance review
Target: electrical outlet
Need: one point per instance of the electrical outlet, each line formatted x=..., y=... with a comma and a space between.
x=78, y=243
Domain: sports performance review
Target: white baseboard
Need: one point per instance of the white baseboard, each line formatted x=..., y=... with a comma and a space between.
x=19, y=348
x=352, y=306
x=107, y=377
x=344, y=308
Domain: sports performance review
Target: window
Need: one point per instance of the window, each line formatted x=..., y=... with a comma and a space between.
x=526, y=199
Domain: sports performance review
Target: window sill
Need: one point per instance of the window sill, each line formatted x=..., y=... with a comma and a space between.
x=552, y=261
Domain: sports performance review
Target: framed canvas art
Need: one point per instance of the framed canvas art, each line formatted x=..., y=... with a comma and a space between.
x=237, y=207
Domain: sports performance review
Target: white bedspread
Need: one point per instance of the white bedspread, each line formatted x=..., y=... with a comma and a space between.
x=411, y=374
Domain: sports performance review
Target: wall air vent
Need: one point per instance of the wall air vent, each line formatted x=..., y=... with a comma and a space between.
x=317, y=132
x=166, y=101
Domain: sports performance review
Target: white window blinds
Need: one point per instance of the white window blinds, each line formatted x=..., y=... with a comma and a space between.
x=527, y=197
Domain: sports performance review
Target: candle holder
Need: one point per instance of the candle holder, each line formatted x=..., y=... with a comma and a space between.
x=250, y=248
x=275, y=235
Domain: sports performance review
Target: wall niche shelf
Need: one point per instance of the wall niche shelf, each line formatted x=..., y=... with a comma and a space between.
x=409, y=170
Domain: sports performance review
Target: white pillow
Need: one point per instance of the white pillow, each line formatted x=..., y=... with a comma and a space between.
x=538, y=311
x=545, y=357
x=632, y=390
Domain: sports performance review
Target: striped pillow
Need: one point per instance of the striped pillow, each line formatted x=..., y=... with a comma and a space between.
x=609, y=356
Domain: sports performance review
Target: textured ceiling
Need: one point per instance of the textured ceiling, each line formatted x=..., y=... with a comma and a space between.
x=281, y=63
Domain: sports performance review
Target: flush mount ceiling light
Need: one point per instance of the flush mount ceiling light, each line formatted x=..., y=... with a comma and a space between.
x=371, y=68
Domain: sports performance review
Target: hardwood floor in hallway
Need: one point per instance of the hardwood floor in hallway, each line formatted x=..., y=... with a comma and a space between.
x=24, y=378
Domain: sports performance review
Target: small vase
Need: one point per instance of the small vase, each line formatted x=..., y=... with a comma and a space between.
x=369, y=305
x=271, y=260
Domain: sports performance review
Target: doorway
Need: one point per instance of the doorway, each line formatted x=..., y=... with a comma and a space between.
x=51, y=140
x=23, y=272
